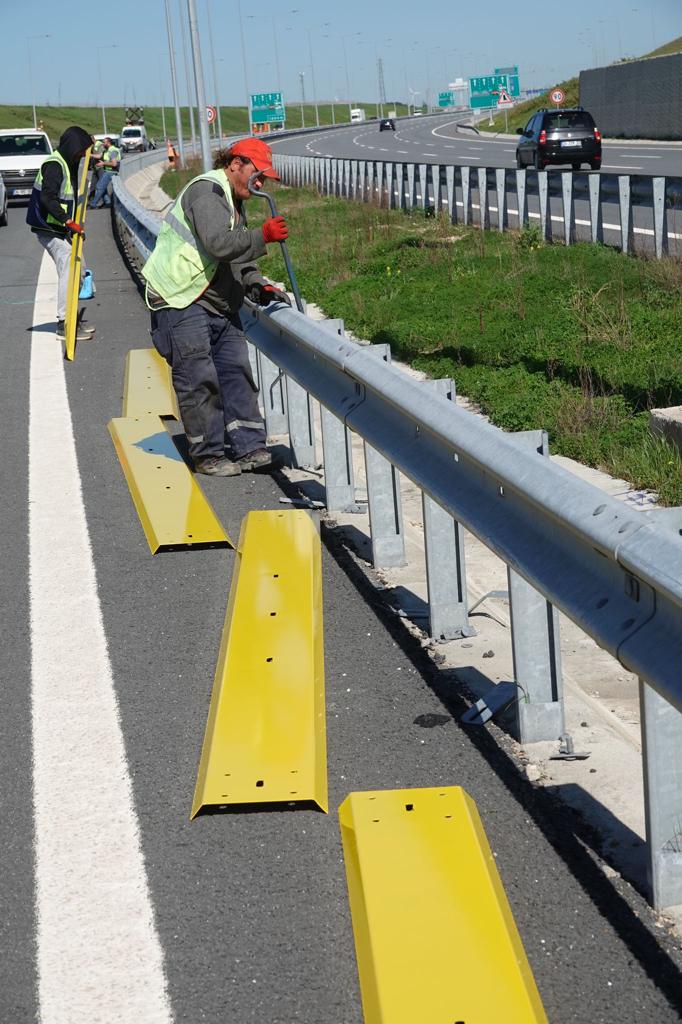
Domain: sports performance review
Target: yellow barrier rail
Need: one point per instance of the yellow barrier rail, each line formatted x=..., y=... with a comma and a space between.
x=74, y=285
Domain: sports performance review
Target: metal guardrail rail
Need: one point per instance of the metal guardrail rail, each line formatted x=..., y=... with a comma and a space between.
x=635, y=213
x=617, y=573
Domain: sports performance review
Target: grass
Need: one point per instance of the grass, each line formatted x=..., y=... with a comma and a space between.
x=234, y=120
x=581, y=341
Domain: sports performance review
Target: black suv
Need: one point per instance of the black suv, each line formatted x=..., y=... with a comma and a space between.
x=559, y=137
x=387, y=124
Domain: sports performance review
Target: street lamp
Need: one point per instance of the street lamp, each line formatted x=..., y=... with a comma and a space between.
x=109, y=46
x=246, y=77
x=301, y=78
x=215, y=80
x=174, y=84
x=30, y=73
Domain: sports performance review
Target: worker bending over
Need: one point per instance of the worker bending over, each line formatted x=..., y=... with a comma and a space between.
x=197, y=277
x=51, y=210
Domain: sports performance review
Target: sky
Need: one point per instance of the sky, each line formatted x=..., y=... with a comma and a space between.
x=117, y=53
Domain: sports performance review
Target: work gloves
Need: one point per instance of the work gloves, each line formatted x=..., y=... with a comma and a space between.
x=267, y=293
x=76, y=228
x=275, y=229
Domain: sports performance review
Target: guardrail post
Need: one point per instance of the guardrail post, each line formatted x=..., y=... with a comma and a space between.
x=543, y=200
x=327, y=174
x=660, y=224
x=319, y=173
x=394, y=197
x=567, y=198
x=423, y=186
x=500, y=182
x=353, y=181
x=409, y=199
x=337, y=458
x=466, y=192
x=625, y=203
x=661, y=726
x=334, y=175
x=436, y=186
x=362, y=171
x=301, y=425
x=346, y=176
x=482, y=197
x=383, y=498
x=450, y=184
x=535, y=644
x=379, y=182
x=521, y=198
x=445, y=564
x=272, y=392
x=662, y=766
x=596, y=219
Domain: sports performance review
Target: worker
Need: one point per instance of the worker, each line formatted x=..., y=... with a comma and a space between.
x=108, y=164
x=51, y=210
x=197, y=276
x=95, y=166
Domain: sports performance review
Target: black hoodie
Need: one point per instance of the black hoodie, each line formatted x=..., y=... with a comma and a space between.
x=72, y=145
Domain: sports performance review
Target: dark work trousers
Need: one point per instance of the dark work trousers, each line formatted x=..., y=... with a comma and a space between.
x=212, y=379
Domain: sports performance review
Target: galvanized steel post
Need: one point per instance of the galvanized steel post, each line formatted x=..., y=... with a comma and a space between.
x=383, y=498
x=567, y=199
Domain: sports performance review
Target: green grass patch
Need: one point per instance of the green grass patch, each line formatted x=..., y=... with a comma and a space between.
x=581, y=341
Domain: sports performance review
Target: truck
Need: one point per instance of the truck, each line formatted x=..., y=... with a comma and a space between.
x=357, y=114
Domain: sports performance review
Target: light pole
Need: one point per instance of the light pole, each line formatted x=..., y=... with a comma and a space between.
x=199, y=84
x=174, y=83
x=30, y=73
x=246, y=77
x=215, y=80
x=109, y=46
x=163, y=105
x=312, y=75
x=301, y=78
x=190, y=99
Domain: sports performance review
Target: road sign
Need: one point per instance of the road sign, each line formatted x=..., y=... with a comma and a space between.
x=512, y=74
x=483, y=90
x=504, y=99
x=267, y=108
x=211, y=114
x=446, y=99
x=557, y=96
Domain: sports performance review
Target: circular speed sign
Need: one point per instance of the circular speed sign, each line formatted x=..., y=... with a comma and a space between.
x=211, y=114
x=557, y=96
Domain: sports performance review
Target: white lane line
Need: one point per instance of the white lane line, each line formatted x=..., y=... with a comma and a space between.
x=403, y=151
x=621, y=167
x=98, y=953
x=640, y=156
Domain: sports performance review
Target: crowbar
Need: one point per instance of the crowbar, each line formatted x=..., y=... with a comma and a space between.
x=285, y=251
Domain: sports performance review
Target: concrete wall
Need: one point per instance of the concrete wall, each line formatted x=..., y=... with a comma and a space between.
x=641, y=99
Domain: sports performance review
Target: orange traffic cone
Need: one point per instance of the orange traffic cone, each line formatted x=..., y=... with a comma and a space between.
x=172, y=155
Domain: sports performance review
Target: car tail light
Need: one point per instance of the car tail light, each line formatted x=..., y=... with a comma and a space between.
x=542, y=137
x=597, y=134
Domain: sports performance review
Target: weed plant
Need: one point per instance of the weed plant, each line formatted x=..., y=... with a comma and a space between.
x=580, y=340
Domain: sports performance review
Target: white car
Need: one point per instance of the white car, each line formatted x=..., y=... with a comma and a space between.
x=3, y=203
x=22, y=151
x=134, y=139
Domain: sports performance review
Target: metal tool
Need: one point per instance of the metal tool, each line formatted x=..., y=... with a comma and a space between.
x=285, y=251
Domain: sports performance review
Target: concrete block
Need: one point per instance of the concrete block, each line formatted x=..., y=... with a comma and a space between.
x=667, y=423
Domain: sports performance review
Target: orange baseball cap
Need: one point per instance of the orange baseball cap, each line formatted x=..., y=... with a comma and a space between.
x=259, y=153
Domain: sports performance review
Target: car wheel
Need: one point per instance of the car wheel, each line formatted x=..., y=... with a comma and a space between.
x=519, y=161
x=538, y=163
x=576, y=165
x=595, y=165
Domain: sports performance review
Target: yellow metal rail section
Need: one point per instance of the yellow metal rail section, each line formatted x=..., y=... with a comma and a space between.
x=265, y=738
x=173, y=509
x=74, y=285
x=435, y=938
x=148, y=388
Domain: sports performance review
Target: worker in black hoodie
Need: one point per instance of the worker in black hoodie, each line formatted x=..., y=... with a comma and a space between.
x=52, y=208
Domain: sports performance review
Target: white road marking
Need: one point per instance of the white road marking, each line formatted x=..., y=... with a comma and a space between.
x=430, y=154
x=621, y=167
x=98, y=952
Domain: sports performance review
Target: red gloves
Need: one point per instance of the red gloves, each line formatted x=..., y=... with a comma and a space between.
x=76, y=228
x=275, y=229
x=268, y=293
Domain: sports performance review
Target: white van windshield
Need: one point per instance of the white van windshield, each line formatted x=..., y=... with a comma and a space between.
x=131, y=133
x=23, y=145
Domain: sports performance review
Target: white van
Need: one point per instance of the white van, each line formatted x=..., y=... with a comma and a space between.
x=134, y=139
x=22, y=151
x=357, y=114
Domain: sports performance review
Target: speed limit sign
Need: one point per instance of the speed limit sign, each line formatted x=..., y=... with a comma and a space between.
x=557, y=96
x=211, y=114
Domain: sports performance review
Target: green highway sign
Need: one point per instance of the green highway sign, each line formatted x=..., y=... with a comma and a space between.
x=512, y=74
x=267, y=108
x=483, y=89
x=446, y=99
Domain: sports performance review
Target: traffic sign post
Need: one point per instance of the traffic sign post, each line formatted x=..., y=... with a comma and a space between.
x=267, y=111
x=557, y=96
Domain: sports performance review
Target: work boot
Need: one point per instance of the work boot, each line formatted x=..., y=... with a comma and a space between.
x=82, y=333
x=216, y=465
x=261, y=458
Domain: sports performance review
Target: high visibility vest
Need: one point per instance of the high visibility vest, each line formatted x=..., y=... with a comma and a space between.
x=97, y=147
x=113, y=153
x=34, y=215
x=179, y=269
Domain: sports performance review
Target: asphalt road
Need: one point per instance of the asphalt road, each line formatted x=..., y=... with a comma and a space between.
x=437, y=140
x=251, y=909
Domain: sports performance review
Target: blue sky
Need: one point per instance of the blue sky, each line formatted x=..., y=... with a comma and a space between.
x=422, y=45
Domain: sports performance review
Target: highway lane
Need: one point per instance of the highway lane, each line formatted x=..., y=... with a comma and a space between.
x=250, y=910
x=436, y=139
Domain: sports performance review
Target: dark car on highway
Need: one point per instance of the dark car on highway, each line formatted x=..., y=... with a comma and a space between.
x=387, y=124
x=559, y=137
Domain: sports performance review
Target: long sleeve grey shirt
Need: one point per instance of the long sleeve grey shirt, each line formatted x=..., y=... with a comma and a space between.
x=205, y=206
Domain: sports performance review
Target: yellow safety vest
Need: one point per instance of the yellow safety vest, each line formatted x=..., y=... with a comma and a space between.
x=179, y=269
x=113, y=153
x=35, y=216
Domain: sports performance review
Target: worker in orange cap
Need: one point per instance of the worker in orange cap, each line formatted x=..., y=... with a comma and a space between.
x=201, y=269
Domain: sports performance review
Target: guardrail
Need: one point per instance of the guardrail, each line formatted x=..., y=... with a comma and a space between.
x=617, y=573
x=635, y=213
